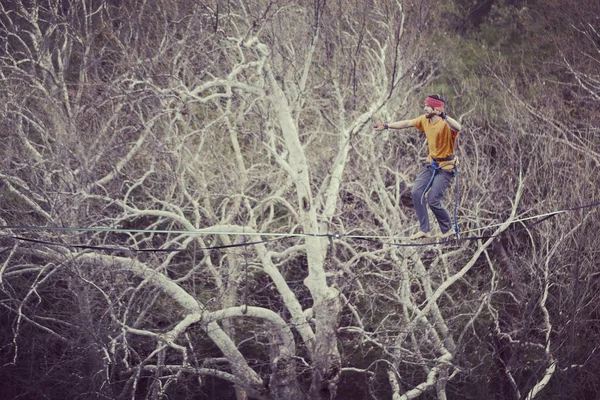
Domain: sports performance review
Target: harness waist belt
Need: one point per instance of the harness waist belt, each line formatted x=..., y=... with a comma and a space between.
x=449, y=158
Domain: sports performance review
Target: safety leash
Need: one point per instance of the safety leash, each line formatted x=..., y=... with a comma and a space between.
x=456, y=230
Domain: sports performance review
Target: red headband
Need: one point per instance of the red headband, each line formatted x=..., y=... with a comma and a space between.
x=434, y=103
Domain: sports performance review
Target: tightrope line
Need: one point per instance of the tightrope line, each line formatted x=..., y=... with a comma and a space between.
x=371, y=238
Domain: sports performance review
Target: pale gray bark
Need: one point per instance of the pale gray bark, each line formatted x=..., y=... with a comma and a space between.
x=240, y=136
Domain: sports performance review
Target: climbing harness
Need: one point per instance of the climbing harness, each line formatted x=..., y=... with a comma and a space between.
x=434, y=168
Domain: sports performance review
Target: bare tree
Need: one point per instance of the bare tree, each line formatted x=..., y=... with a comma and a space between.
x=236, y=222
x=126, y=114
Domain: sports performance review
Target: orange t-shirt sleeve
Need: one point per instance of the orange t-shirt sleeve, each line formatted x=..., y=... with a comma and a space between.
x=418, y=123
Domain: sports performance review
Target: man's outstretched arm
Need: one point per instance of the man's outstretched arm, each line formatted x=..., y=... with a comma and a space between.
x=407, y=123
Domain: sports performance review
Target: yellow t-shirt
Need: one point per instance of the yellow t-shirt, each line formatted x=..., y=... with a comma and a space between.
x=440, y=138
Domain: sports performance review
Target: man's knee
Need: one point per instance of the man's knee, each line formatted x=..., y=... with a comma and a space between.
x=434, y=202
x=416, y=193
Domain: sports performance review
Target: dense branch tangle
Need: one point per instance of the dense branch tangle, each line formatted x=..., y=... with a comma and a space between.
x=240, y=118
x=134, y=108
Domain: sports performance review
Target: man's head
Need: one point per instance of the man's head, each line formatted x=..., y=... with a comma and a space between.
x=434, y=105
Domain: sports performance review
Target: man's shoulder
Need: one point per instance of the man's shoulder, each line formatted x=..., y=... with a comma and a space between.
x=421, y=120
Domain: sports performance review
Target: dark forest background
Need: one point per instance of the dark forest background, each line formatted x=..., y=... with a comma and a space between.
x=242, y=119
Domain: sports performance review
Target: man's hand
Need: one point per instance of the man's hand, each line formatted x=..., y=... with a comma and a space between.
x=440, y=114
x=380, y=126
x=452, y=123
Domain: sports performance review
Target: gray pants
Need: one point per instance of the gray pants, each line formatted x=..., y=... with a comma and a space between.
x=442, y=179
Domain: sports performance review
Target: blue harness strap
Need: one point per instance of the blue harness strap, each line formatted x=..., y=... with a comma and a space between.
x=434, y=167
x=456, y=231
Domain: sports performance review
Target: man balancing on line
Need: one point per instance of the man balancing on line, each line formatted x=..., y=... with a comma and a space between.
x=438, y=171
